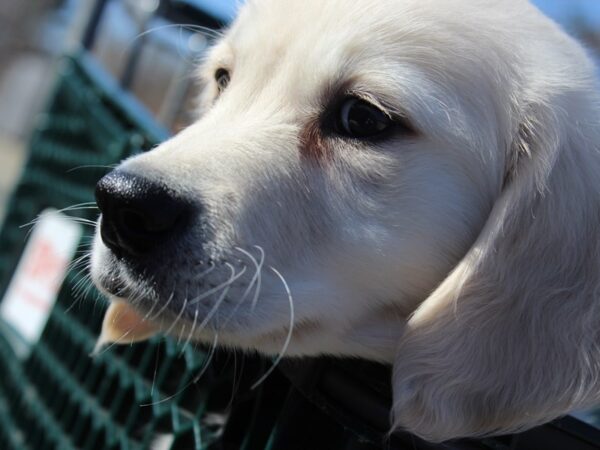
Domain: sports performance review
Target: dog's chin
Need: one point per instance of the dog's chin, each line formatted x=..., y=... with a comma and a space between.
x=111, y=277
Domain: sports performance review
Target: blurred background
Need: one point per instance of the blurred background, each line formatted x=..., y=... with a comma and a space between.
x=34, y=33
x=137, y=41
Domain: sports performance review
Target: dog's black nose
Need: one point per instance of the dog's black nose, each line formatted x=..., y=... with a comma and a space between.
x=137, y=214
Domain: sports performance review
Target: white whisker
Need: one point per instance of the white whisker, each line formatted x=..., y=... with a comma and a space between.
x=185, y=304
x=255, y=279
x=258, y=283
x=76, y=207
x=92, y=166
x=97, y=352
x=189, y=338
x=221, y=298
x=149, y=313
x=206, y=272
x=217, y=288
x=289, y=335
x=194, y=381
x=161, y=310
x=256, y=275
x=181, y=332
x=155, y=370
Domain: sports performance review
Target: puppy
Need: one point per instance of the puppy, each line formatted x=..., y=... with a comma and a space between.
x=408, y=181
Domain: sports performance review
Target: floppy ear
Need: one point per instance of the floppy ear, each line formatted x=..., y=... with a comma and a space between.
x=511, y=338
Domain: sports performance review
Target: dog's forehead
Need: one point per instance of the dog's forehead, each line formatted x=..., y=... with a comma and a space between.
x=277, y=22
x=310, y=35
x=318, y=38
x=322, y=29
x=301, y=49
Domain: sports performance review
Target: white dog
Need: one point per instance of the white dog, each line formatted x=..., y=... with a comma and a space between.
x=409, y=181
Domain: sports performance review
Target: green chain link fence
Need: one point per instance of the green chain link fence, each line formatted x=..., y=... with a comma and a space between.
x=61, y=398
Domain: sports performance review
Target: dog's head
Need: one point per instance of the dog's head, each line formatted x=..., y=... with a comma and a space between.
x=347, y=157
x=356, y=153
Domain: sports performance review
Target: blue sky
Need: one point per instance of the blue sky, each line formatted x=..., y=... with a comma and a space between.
x=223, y=9
x=563, y=11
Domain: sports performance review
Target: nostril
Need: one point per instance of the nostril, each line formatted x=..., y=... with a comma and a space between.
x=137, y=226
x=109, y=236
x=137, y=214
x=133, y=220
x=150, y=221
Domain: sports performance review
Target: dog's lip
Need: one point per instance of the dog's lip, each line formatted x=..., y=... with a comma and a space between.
x=113, y=285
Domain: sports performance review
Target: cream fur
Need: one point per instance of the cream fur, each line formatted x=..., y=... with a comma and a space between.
x=468, y=255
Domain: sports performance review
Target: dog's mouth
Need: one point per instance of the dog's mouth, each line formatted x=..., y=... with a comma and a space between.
x=115, y=286
x=177, y=290
x=135, y=312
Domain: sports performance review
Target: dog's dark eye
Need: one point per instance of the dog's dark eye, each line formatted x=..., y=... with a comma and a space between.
x=222, y=78
x=359, y=119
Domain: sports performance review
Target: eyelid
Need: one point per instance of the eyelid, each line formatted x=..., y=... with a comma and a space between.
x=394, y=114
x=368, y=98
